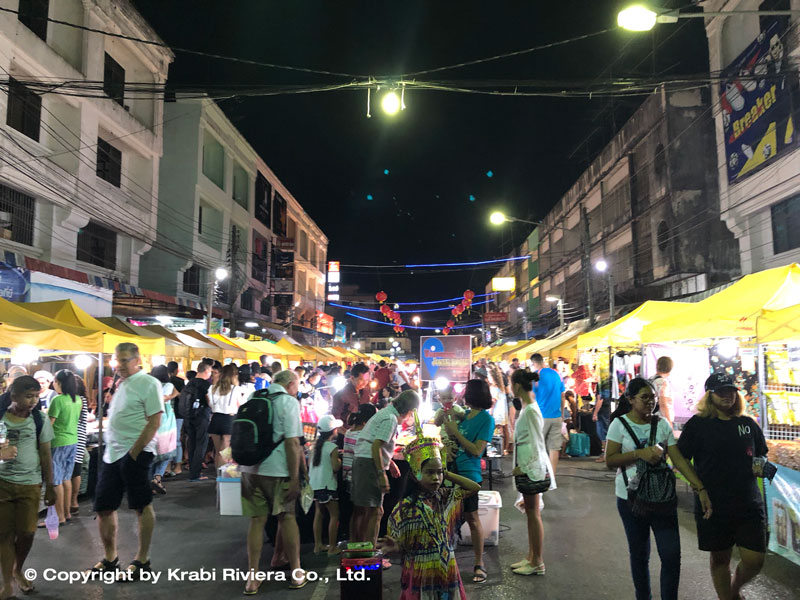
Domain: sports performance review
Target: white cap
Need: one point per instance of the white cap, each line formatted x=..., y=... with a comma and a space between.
x=328, y=423
x=43, y=375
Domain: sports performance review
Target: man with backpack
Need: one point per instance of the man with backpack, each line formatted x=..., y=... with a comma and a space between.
x=194, y=409
x=272, y=486
x=27, y=461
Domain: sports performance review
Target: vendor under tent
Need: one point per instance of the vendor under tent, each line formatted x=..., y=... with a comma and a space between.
x=197, y=348
x=228, y=352
x=563, y=344
x=69, y=313
x=252, y=352
x=21, y=327
x=175, y=349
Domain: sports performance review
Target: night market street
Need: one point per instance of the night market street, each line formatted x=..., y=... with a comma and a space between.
x=585, y=550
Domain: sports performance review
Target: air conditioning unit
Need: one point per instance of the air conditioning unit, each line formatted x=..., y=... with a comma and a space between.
x=5, y=219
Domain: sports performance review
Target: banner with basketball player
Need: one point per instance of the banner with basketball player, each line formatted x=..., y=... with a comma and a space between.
x=756, y=104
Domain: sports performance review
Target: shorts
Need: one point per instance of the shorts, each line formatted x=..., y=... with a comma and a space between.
x=221, y=424
x=263, y=496
x=77, y=470
x=325, y=496
x=552, y=434
x=470, y=504
x=603, y=421
x=365, y=491
x=125, y=476
x=19, y=507
x=746, y=528
x=63, y=463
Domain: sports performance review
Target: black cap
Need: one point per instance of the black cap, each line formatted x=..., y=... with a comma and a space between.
x=719, y=381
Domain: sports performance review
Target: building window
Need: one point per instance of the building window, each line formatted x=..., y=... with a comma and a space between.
x=662, y=236
x=660, y=162
x=266, y=306
x=109, y=163
x=263, y=201
x=279, y=216
x=785, y=225
x=114, y=80
x=24, y=109
x=17, y=213
x=97, y=246
x=33, y=14
x=200, y=220
x=247, y=300
x=260, y=252
x=241, y=186
x=214, y=160
x=191, y=280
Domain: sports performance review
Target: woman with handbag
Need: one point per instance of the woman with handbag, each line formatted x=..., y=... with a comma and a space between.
x=166, y=436
x=533, y=472
x=729, y=452
x=638, y=443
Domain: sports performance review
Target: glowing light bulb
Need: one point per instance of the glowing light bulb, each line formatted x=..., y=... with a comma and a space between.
x=390, y=103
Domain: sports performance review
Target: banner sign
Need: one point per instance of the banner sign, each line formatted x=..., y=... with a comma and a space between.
x=446, y=356
x=282, y=286
x=756, y=104
x=283, y=243
x=783, y=508
x=340, y=333
x=324, y=323
x=333, y=278
x=495, y=317
x=15, y=283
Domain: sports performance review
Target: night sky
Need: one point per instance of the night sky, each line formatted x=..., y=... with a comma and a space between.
x=434, y=203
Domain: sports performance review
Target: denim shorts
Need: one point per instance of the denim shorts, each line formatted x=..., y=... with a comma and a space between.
x=63, y=463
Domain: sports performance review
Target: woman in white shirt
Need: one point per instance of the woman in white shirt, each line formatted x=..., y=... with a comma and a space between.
x=531, y=460
x=499, y=409
x=224, y=397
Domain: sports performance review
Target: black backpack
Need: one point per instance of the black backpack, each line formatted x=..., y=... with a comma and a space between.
x=251, y=436
x=186, y=398
x=38, y=416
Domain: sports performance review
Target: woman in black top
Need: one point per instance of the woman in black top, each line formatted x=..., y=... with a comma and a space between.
x=728, y=450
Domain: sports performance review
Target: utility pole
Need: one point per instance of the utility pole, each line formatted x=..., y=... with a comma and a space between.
x=233, y=251
x=586, y=266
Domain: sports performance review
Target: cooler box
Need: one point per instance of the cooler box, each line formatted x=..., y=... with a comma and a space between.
x=229, y=491
x=489, y=505
x=371, y=587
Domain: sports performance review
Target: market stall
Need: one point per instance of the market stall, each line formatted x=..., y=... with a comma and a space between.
x=224, y=352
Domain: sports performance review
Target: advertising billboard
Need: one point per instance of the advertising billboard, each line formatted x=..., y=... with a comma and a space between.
x=324, y=323
x=495, y=317
x=340, y=334
x=446, y=356
x=755, y=98
x=15, y=283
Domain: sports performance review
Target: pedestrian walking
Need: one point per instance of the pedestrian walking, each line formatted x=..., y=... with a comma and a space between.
x=225, y=398
x=134, y=419
x=196, y=411
x=166, y=443
x=549, y=392
x=176, y=467
x=472, y=430
x=27, y=462
x=353, y=394
x=638, y=444
x=272, y=486
x=532, y=470
x=80, y=450
x=663, y=387
x=325, y=464
x=729, y=451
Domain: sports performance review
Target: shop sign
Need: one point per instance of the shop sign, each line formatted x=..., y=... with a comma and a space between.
x=282, y=286
x=756, y=104
x=495, y=317
x=284, y=243
x=446, y=356
x=503, y=284
x=340, y=334
x=14, y=283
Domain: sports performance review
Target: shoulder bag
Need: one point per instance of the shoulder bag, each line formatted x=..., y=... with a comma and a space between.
x=525, y=485
x=652, y=490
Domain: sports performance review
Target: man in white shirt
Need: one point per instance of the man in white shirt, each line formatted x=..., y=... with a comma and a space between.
x=372, y=458
x=273, y=486
x=134, y=419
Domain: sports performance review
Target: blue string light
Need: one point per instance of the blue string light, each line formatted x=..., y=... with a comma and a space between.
x=473, y=325
x=459, y=298
x=468, y=264
x=401, y=311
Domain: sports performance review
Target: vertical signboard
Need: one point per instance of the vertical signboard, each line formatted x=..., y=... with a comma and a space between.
x=446, y=356
x=333, y=281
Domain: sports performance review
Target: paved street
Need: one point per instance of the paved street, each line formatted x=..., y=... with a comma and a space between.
x=585, y=550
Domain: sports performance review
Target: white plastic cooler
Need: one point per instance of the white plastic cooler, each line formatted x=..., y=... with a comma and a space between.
x=489, y=505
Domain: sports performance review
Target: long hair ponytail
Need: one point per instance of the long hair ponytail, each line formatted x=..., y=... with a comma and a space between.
x=318, y=444
x=66, y=379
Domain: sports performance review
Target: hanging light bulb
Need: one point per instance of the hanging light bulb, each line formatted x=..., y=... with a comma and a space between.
x=391, y=103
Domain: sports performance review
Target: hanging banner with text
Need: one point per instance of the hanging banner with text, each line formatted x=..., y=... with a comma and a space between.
x=756, y=104
x=446, y=356
x=783, y=508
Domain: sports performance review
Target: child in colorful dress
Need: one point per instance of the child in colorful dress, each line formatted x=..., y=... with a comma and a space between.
x=423, y=525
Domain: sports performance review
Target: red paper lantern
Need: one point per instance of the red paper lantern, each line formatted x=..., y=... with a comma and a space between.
x=459, y=309
x=396, y=329
x=385, y=310
x=397, y=320
x=469, y=295
x=446, y=330
x=451, y=323
x=454, y=312
x=401, y=329
x=467, y=303
x=381, y=297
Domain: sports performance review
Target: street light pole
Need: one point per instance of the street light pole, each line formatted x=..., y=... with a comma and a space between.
x=641, y=18
x=219, y=275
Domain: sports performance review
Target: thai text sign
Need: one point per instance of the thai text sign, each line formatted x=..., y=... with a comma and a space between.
x=495, y=317
x=446, y=356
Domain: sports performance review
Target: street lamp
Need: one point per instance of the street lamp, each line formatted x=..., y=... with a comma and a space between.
x=415, y=319
x=291, y=318
x=521, y=311
x=498, y=218
x=220, y=274
x=602, y=266
x=391, y=103
x=560, y=307
x=639, y=17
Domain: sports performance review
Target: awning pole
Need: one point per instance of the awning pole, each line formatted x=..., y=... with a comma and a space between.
x=99, y=411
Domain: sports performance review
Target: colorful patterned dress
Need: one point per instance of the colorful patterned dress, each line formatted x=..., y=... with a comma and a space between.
x=425, y=528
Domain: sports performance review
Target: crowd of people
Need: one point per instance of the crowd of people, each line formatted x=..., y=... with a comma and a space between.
x=160, y=425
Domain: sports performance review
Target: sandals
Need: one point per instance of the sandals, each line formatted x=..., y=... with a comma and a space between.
x=134, y=571
x=247, y=592
x=74, y=510
x=479, y=574
x=530, y=569
x=25, y=585
x=105, y=565
x=301, y=584
x=157, y=486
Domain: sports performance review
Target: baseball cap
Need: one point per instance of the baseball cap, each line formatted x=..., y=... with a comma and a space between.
x=328, y=423
x=719, y=381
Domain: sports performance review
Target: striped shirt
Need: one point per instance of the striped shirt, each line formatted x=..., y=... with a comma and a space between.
x=80, y=450
x=350, y=439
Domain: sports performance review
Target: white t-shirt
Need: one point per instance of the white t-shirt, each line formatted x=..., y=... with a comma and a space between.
x=321, y=476
x=286, y=424
x=383, y=427
x=137, y=398
x=618, y=433
x=228, y=403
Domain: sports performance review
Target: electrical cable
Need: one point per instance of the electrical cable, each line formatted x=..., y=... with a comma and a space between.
x=447, y=308
x=470, y=326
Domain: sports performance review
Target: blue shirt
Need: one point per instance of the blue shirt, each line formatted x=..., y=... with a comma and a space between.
x=479, y=427
x=548, y=392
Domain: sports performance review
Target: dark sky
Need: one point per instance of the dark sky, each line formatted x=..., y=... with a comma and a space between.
x=439, y=150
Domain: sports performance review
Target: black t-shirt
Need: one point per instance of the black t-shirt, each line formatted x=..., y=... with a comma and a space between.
x=178, y=382
x=199, y=389
x=723, y=458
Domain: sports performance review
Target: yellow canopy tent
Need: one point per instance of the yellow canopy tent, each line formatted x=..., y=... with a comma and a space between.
x=733, y=312
x=779, y=325
x=626, y=332
x=376, y=357
x=197, y=349
x=563, y=344
x=295, y=352
x=476, y=349
x=511, y=349
x=175, y=349
x=69, y=313
x=227, y=350
x=270, y=348
x=251, y=352
x=21, y=327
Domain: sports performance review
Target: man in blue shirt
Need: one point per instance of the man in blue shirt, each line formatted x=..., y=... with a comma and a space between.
x=549, y=392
